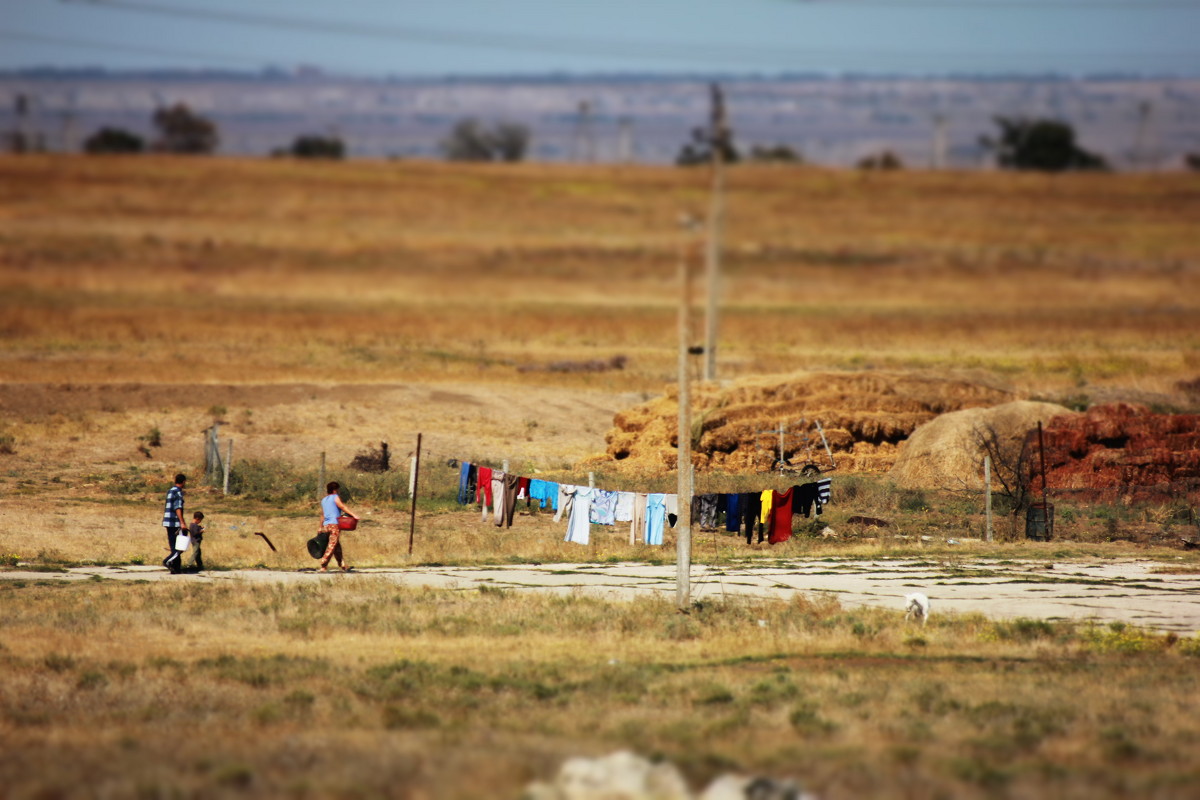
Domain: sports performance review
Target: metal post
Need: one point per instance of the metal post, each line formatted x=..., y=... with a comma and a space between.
x=412, y=518
x=987, y=489
x=1042, y=452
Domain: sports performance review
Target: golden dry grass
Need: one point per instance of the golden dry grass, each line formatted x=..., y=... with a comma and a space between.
x=353, y=688
x=267, y=271
x=327, y=307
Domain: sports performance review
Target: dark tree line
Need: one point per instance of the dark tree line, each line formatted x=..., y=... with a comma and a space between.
x=1021, y=143
x=1039, y=144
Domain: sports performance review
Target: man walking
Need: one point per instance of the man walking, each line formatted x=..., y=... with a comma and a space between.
x=174, y=522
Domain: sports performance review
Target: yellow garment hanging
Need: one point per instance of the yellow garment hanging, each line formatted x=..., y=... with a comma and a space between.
x=765, y=515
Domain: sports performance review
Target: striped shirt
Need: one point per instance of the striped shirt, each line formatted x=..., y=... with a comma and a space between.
x=174, y=508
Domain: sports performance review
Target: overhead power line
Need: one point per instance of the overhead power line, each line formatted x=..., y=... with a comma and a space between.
x=1025, y=5
x=22, y=36
x=710, y=53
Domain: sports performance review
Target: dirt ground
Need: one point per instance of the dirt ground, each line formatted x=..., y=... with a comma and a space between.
x=76, y=430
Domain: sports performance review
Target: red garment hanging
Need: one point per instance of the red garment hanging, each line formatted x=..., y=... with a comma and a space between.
x=483, y=492
x=781, y=517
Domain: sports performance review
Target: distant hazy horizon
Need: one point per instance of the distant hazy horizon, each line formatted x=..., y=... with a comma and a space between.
x=1134, y=123
x=474, y=38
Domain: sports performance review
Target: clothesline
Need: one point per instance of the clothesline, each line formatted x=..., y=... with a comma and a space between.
x=769, y=513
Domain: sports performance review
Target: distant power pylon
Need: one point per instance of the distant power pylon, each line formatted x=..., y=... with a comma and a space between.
x=938, y=158
x=585, y=146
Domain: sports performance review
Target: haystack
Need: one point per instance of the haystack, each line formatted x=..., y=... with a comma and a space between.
x=947, y=452
x=865, y=416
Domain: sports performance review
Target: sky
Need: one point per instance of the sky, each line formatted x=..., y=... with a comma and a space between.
x=378, y=38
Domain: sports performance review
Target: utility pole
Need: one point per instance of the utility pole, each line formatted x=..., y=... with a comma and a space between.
x=625, y=141
x=683, y=461
x=585, y=150
x=1140, y=154
x=718, y=142
x=939, y=141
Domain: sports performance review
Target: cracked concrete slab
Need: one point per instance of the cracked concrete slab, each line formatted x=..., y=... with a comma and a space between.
x=1117, y=591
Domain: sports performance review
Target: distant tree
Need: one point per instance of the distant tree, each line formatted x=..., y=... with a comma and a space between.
x=471, y=140
x=884, y=160
x=1192, y=161
x=182, y=131
x=777, y=153
x=510, y=141
x=716, y=138
x=1040, y=144
x=318, y=147
x=113, y=140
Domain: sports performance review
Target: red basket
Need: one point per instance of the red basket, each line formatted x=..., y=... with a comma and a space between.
x=347, y=523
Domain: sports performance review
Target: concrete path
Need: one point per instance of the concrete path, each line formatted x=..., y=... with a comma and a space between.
x=1127, y=591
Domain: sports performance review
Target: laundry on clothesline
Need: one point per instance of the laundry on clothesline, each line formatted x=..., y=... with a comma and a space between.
x=767, y=514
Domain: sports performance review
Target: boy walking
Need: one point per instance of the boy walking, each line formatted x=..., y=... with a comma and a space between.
x=196, y=532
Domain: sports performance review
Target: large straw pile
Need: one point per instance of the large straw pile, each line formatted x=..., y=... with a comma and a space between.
x=947, y=452
x=865, y=415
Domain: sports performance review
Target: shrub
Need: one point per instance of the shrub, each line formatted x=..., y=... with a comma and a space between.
x=330, y=147
x=113, y=140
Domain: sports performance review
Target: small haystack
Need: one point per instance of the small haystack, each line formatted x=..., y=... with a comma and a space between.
x=947, y=452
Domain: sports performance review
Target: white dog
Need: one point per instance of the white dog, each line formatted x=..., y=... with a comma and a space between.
x=916, y=604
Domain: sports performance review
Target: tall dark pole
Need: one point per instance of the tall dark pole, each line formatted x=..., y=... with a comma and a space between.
x=718, y=142
x=683, y=459
x=412, y=518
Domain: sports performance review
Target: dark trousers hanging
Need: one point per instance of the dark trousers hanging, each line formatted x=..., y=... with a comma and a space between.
x=751, y=504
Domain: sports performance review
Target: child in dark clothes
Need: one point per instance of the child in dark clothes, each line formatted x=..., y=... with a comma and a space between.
x=196, y=531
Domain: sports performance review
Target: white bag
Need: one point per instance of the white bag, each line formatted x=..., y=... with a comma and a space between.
x=182, y=542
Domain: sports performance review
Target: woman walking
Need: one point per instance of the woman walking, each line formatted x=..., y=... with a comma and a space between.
x=332, y=507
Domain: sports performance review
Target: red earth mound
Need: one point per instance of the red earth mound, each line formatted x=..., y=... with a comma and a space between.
x=1119, y=452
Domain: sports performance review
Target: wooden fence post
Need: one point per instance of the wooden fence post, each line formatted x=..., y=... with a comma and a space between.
x=987, y=488
x=321, y=478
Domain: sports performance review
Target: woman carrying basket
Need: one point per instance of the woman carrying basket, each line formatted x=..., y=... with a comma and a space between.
x=332, y=507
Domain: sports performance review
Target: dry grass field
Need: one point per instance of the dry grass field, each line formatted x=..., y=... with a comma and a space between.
x=323, y=308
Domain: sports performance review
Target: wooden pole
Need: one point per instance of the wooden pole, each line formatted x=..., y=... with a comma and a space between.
x=718, y=139
x=987, y=489
x=412, y=519
x=216, y=449
x=683, y=524
x=228, y=466
x=781, y=444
